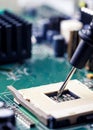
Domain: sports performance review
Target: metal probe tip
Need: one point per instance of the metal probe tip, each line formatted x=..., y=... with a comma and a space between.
x=66, y=82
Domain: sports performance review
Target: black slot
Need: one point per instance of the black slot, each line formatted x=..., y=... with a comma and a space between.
x=68, y=96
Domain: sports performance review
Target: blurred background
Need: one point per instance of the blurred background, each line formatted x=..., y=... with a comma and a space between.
x=67, y=6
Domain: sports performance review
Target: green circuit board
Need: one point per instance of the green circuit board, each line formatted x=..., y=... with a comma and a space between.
x=39, y=70
x=42, y=68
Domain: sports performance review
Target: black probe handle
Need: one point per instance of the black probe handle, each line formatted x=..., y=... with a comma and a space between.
x=82, y=54
x=84, y=49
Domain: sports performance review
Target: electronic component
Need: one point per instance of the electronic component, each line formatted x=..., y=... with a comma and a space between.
x=66, y=96
x=2, y=104
x=59, y=45
x=50, y=34
x=69, y=29
x=38, y=37
x=86, y=15
x=56, y=20
x=7, y=119
x=89, y=76
x=89, y=65
x=68, y=26
x=42, y=27
x=20, y=115
x=88, y=82
x=78, y=109
x=15, y=38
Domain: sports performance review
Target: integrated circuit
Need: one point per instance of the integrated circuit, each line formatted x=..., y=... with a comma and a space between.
x=77, y=108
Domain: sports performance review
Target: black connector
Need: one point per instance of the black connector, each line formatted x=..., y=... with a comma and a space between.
x=15, y=38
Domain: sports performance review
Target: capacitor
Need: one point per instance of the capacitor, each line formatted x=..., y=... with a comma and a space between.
x=55, y=22
x=43, y=27
x=50, y=34
x=7, y=119
x=59, y=45
x=69, y=29
x=38, y=37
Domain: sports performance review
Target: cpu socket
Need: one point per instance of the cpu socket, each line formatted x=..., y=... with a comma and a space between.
x=74, y=107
